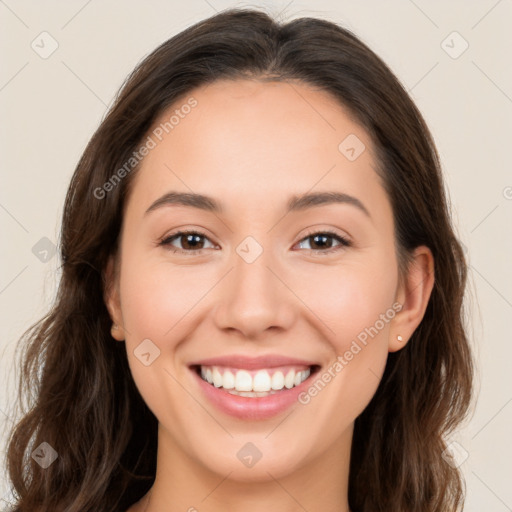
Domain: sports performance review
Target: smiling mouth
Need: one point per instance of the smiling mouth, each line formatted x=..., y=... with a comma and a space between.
x=255, y=383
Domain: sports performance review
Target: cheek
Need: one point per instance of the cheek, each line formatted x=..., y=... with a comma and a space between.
x=156, y=297
x=157, y=305
x=352, y=301
x=355, y=306
x=155, y=301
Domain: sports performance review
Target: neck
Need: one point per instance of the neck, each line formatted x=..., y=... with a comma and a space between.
x=184, y=484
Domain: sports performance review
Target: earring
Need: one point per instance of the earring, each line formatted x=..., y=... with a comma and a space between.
x=399, y=338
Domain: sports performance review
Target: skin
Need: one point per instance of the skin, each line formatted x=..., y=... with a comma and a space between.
x=251, y=145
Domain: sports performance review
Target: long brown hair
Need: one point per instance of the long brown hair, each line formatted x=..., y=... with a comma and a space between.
x=86, y=405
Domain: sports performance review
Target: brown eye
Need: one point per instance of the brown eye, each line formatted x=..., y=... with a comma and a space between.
x=324, y=241
x=191, y=242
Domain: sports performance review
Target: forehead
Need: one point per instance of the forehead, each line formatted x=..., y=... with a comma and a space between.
x=255, y=143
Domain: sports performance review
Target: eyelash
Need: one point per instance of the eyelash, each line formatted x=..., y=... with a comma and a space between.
x=344, y=242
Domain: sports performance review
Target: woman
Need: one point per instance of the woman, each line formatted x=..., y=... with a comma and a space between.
x=261, y=294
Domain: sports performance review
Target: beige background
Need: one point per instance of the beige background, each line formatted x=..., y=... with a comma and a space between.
x=50, y=107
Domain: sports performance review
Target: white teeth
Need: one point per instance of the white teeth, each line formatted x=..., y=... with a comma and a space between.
x=278, y=381
x=228, y=380
x=289, y=380
x=248, y=393
x=217, y=378
x=242, y=383
x=262, y=381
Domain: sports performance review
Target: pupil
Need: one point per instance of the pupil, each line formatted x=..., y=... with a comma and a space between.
x=323, y=237
x=190, y=240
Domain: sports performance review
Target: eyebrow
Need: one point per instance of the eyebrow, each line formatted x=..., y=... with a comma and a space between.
x=295, y=203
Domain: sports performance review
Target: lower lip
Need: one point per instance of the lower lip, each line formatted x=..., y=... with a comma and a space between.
x=254, y=408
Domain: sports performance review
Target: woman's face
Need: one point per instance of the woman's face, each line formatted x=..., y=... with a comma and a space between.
x=262, y=294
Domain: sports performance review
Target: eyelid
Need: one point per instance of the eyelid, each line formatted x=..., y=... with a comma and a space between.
x=166, y=240
x=344, y=241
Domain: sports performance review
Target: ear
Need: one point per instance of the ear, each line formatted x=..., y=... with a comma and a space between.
x=413, y=294
x=112, y=300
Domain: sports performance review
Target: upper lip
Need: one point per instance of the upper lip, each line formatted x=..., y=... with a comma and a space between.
x=253, y=363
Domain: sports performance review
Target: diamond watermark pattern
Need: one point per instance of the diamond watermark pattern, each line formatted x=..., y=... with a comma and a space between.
x=351, y=147
x=44, y=250
x=455, y=454
x=44, y=45
x=146, y=352
x=249, y=249
x=454, y=45
x=249, y=455
x=44, y=455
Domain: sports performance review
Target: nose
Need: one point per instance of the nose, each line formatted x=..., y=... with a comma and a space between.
x=254, y=299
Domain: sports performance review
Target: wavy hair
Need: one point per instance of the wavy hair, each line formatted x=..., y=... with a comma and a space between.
x=80, y=395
